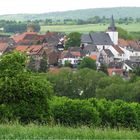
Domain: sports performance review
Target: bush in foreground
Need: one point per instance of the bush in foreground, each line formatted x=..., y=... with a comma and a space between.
x=95, y=112
x=23, y=97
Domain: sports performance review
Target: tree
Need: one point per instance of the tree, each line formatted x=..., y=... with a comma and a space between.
x=103, y=68
x=15, y=27
x=32, y=64
x=43, y=64
x=33, y=27
x=23, y=96
x=136, y=71
x=74, y=40
x=87, y=63
x=123, y=33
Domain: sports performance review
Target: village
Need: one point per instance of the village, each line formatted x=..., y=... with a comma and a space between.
x=119, y=55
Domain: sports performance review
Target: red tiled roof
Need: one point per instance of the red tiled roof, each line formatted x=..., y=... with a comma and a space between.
x=35, y=49
x=3, y=47
x=123, y=42
x=115, y=71
x=94, y=57
x=22, y=48
x=118, y=49
x=19, y=37
x=129, y=43
x=77, y=54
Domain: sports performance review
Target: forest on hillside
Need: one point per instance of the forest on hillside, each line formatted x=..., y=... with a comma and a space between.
x=118, y=12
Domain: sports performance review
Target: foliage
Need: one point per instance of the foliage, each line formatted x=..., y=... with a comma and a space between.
x=74, y=40
x=123, y=33
x=124, y=115
x=80, y=84
x=136, y=71
x=32, y=64
x=103, y=68
x=43, y=64
x=87, y=63
x=95, y=112
x=67, y=63
x=15, y=27
x=74, y=112
x=86, y=83
x=23, y=96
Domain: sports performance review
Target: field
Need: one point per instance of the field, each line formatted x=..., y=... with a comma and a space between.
x=135, y=27
x=57, y=132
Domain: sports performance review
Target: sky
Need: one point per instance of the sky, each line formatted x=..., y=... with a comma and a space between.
x=44, y=6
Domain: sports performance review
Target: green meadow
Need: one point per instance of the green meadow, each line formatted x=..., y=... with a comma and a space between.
x=59, y=132
x=134, y=27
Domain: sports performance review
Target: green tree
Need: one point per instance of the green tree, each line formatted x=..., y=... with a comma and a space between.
x=87, y=63
x=123, y=33
x=136, y=71
x=74, y=40
x=32, y=64
x=23, y=96
x=43, y=64
x=103, y=68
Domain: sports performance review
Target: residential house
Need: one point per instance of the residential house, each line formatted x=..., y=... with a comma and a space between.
x=53, y=39
x=118, y=53
x=3, y=48
x=107, y=56
x=115, y=68
x=129, y=65
x=52, y=55
x=131, y=49
x=73, y=57
x=28, y=38
x=34, y=51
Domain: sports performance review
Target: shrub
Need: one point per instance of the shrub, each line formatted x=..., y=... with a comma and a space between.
x=23, y=97
x=103, y=107
x=123, y=115
x=93, y=112
x=74, y=112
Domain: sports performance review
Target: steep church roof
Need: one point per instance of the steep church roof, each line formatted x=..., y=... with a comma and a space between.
x=99, y=38
x=112, y=26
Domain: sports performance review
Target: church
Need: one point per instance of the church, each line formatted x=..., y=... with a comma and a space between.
x=107, y=41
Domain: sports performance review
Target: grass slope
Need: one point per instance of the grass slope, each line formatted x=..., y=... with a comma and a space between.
x=118, y=12
x=88, y=27
x=57, y=132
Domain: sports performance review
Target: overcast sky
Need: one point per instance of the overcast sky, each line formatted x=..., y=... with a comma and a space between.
x=43, y=6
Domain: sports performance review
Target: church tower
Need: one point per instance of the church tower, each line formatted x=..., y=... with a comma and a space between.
x=112, y=31
x=30, y=27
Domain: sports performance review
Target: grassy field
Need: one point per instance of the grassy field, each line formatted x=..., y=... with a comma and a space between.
x=57, y=132
x=88, y=27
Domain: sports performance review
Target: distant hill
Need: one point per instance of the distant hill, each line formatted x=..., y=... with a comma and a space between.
x=118, y=12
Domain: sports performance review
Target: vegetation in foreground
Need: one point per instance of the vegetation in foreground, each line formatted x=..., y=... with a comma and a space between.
x=59, y=132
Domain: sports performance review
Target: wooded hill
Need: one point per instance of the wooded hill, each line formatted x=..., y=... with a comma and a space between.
x=118, y=12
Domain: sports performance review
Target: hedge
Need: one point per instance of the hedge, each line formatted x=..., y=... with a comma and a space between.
x=94, y=112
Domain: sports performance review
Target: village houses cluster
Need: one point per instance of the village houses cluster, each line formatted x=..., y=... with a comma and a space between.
x=104, y=47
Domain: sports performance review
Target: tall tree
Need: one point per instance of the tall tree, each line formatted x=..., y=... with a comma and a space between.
x=74, y=40
x=32, y=64
x=43, y=64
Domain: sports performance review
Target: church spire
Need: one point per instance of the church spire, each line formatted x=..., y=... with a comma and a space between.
x=112, y=24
